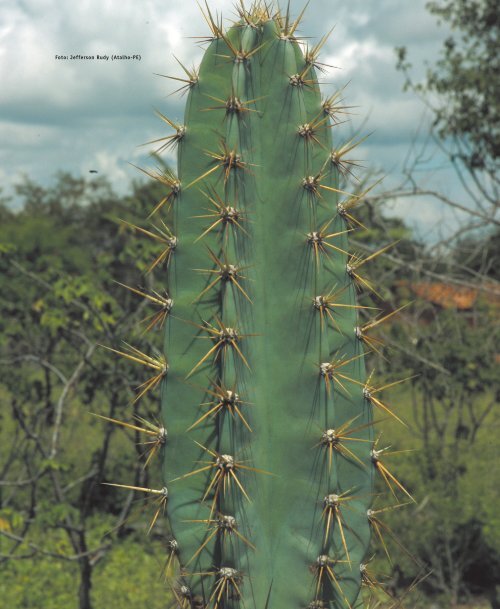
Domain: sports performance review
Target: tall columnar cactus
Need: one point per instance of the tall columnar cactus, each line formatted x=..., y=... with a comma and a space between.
x=268, y=456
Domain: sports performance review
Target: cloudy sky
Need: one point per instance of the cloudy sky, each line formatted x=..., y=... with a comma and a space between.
x=81, y=115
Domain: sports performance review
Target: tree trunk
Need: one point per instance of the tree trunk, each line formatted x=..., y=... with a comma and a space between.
x=85, y=601
x=493, y=594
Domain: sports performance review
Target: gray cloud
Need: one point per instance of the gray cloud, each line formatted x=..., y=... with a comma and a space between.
x=77, y=115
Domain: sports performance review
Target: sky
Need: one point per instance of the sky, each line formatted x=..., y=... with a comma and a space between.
x=78, y=115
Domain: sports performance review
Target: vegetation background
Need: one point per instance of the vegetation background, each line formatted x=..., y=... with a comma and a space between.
x=61, y=256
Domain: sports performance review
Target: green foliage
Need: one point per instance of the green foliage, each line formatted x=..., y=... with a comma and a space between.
x=481, y=256
x=465, y=80
x=468, y=76
x=61, y=255
x=119, y=581
x=131, y=577
x=38, y=584
x=453, y=410
x=462, y=497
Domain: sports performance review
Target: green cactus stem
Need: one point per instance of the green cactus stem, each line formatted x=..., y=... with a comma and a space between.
x=268, y=460
x=268, y=450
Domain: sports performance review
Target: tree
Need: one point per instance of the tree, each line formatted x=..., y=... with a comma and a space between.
x=450, y=346
x=461, y=92
x=452, y=405
x=465, y=81
x=60, y=258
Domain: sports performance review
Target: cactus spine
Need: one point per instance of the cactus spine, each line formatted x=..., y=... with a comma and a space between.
x=268, y=460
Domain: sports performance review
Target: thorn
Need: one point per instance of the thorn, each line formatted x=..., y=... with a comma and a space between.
x=324, y=574
x=378, y=526
x=183, y=596
x=334, y=440
x=312, y=184
x=159, y=434
x=224, y=527
x=311, y=55
x=355, y=262
x=224, y=272
x=226, y=473
x=215, y=26
x=233, y=105
x=258, y=14
x=299, y=79
x=333, y=105
x=336, y=158
x=308, y=131
x=345, y=208
x=398, y=603
x=377, y=321
x=224, y=216
x=224, y=338
x=370, y=580
x=227, y=586
x=330, y=372
x=165, y=236
x=190, y=81
x=170, y=140
x=318, y=242
x=227, y=160
x=375, y=343
x=387, y=476
x=238, y=54
x=288, y=30
x=164, y=302
x=158, y=363
x=325, y=304
x=370, y=391
x=226, y=400
x=172, y=555
x=161, y=500
x=332, y=514
x=167, y=178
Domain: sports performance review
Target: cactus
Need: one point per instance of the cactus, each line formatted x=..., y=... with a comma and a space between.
x=268, y=443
